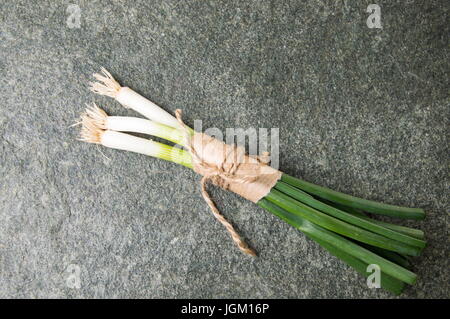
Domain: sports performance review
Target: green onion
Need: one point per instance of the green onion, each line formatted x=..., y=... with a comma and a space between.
x=108, y=86
x=101, y=120
x=334, y=220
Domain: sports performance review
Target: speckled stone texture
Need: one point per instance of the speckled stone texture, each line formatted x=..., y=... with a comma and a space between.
x=363, y=111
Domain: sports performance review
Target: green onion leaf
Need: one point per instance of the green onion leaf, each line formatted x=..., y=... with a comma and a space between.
x=355, y=202
x=340, y=243
x=337, y=225
x=352, y=219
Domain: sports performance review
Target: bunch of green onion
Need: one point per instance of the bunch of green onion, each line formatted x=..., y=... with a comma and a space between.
x=338, y=222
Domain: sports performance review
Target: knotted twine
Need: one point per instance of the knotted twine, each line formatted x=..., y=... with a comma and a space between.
x=228, y=167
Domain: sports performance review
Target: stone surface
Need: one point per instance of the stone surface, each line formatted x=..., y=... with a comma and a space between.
x=363, y=111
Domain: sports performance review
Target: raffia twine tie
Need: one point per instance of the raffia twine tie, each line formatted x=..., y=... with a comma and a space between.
x=228, y=167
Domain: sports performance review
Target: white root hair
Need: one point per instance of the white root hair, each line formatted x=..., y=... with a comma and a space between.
x=97, y=115
x=93, y=124
x=107, y=85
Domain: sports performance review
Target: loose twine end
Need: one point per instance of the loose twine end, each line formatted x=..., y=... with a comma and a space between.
x=214, y=173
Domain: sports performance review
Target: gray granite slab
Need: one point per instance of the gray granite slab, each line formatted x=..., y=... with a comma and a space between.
x=363, y=111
